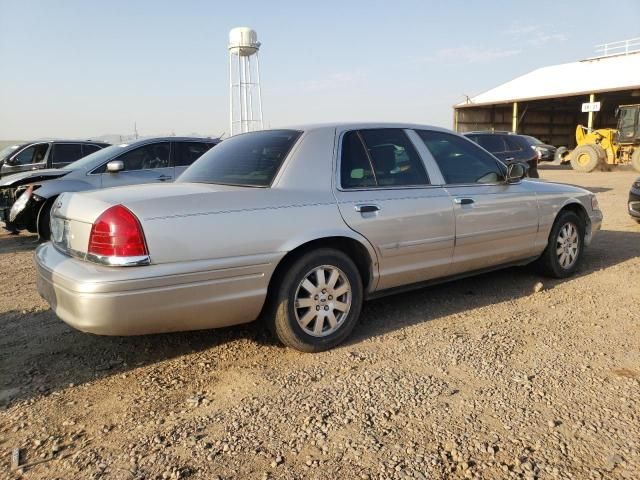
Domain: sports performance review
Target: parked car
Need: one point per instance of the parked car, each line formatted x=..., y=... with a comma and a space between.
x=509, y=148
x=546, y=152
x=45, y=154
x=634, y=200
x=26, y=198
x=301, y=225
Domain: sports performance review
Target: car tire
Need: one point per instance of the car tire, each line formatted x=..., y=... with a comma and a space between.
x=552, y=263
x=560, y=156
x=635, y=159
x=305, y=315
x=44, y=220
x=585, y=158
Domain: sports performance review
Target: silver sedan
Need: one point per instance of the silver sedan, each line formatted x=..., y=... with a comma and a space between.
x=299, y=226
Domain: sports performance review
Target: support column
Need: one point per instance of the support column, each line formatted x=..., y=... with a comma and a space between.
x=455, y=119
x=514, y=118
x=592, y=98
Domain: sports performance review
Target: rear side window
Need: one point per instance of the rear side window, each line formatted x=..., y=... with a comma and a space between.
x=491, y=143
x=32, y=154
x=66, y=152
x=384, y=158
x=355, y=168
x=88, y=149
x=185, y=153
x=251, y=159
x=459, y=160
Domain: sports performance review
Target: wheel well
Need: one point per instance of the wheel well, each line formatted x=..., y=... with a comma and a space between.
x=579, y=210
x=352, y=248
x=46, y=203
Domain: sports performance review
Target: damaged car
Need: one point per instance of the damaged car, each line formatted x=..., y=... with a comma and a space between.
x=38, y=155
x=26, y=198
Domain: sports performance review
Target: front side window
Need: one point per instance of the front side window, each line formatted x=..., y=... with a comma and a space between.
x=382, y=157
x=459, y=160
x=154, y=155
x=66, y=152
x=185, y=153
x=32, y=154
x=251, y=159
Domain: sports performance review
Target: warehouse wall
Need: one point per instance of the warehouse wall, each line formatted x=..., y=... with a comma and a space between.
x=553, y=121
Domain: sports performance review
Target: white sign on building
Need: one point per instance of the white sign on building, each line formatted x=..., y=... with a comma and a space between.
x=591, y=107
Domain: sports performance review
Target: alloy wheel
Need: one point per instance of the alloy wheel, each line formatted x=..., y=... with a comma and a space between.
x=567, y=245
x=322, y=300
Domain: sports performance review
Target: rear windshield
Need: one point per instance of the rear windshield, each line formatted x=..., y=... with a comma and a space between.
x=251, y=159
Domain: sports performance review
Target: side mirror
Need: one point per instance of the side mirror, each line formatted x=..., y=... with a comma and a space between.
x=115, y=166
x=515, y=172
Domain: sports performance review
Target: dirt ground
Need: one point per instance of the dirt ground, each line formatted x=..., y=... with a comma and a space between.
x=479, y=378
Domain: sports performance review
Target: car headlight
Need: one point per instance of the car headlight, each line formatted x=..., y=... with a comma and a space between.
x=594, y=203
x=20, y=203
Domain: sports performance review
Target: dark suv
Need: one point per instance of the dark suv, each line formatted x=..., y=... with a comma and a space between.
x=44, y=154
x=509, y=148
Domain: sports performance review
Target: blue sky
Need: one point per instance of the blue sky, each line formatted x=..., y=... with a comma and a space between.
x=86, y=68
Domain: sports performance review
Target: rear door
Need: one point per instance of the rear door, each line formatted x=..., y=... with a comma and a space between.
x=384, y=193
x=496, y=222
x=145, y=164
x=62, y=154
x=184, y=153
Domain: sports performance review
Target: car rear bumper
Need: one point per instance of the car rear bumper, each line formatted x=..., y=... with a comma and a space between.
x=150, y=299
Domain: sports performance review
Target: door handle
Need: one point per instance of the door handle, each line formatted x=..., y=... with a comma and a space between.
x=510, y=159
x=164, y=178
x=463, y=201
x=367, y=208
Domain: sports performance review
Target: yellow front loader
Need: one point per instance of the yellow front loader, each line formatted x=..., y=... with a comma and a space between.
x=608, y=146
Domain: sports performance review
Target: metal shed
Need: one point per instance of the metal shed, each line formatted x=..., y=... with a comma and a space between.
x=547, y=102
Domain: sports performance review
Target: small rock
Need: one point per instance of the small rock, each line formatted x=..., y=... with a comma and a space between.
x=538, y=287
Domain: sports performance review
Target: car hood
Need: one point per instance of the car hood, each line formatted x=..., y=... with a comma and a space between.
x=546, y=147
x=32, y=176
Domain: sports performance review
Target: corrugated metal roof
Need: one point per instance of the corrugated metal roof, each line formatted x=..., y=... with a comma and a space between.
x=604, y=74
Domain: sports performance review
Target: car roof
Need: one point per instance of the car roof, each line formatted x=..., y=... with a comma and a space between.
x=488, y=132
x=65, y=140
x=142, y=141
x=357, y=126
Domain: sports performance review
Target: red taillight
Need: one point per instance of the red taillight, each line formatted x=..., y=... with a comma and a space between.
x=117, y=233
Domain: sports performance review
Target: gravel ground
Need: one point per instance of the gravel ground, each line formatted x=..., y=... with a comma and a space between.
x=489, y=377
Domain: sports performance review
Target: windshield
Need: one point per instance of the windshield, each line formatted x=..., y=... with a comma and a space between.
x=96, y=158
x=531, y=140
x=6, y=151
x=251, y=159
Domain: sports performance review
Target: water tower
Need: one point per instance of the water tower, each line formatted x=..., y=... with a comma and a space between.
x=245, y=102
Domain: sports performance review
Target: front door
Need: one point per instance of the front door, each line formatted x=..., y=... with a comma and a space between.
x=496, y=222
x=384, y=193
x=146, y=164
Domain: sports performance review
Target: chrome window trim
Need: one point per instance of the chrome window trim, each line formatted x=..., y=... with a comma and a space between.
x=338, y=163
